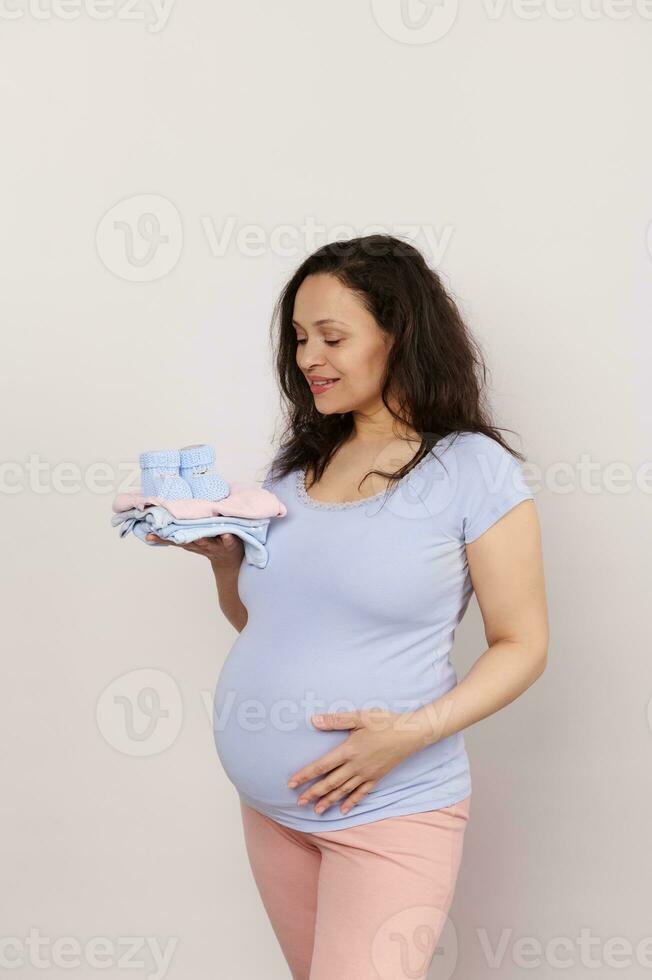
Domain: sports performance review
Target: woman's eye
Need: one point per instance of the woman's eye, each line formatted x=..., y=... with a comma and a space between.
x=331, y=343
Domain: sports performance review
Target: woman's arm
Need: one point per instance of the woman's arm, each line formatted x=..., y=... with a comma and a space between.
x=506, y=568
x=226, y=579
x=225, y=553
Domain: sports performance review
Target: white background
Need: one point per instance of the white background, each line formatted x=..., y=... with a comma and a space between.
x=513, y=144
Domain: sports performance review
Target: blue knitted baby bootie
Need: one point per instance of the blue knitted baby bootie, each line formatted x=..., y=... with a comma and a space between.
x=160, y=475
x=194, y=467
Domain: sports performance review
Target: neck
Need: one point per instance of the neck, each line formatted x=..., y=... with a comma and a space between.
x=377, y=426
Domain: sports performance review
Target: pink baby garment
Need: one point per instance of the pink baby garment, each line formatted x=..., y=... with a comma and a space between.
x=243, y=501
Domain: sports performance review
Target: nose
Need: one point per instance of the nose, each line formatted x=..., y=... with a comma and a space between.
x=307, y=359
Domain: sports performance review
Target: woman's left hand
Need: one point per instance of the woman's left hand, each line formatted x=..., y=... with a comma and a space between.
x=379, y=740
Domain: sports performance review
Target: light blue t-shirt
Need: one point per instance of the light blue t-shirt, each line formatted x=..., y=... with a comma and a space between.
x=358, y=606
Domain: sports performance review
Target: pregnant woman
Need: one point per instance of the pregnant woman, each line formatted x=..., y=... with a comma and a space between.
x=338, y=715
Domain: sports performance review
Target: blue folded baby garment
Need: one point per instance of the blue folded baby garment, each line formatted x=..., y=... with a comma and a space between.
x=159, y=520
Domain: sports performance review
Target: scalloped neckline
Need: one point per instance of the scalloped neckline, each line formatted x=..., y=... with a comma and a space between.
x=304, y=496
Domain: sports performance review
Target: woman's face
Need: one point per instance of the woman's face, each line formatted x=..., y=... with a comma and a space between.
x=338, y=338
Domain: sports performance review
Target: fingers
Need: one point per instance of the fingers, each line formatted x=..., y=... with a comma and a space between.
x=202, y=546
x=213, y=546
x=356, y=785
x=356, y=782
x=333, y=779
x=357, y=795
x=328, y=763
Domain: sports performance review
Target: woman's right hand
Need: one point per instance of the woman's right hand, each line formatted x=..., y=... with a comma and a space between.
x=222, y=550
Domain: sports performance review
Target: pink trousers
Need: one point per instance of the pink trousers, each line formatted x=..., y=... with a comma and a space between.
x=361, y=903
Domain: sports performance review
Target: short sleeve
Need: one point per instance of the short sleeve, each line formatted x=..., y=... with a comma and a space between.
x=491, y=483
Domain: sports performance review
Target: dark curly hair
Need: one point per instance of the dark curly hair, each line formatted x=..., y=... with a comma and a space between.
x=435, y=369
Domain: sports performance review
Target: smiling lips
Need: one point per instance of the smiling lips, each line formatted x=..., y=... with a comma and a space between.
x=317, y=387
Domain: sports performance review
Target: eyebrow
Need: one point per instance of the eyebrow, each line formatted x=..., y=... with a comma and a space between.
x=320, y=323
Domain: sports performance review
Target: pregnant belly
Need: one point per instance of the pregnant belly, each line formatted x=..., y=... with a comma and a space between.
x=262, y=729
x=264, y=701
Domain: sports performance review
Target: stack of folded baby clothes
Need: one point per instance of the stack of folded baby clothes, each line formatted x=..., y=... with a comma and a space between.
x=182, y=498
